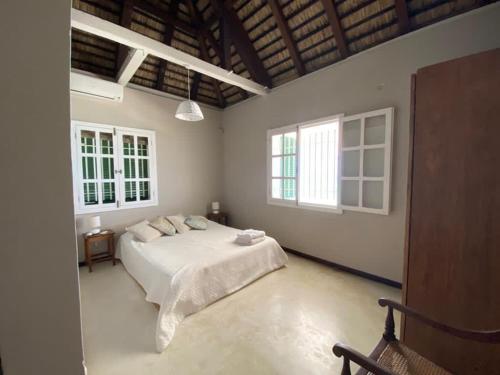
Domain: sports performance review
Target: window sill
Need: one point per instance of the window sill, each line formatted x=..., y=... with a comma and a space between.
x=293, y=204
x=95, y=210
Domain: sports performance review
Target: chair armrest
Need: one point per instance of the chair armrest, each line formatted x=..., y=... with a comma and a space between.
x=481, y=336
x=349, y=354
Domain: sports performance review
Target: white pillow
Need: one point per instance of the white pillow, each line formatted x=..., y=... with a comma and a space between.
x=143, y=231
x=163, y=225
x=178, y=222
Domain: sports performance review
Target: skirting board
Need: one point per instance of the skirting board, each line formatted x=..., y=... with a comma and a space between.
x=356, y=272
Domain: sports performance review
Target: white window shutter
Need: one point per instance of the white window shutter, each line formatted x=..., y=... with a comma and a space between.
x=366, y=161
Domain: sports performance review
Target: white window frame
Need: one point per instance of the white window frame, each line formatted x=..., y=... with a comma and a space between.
x=116, y=131
x=296, y=127
x=386, y=179
x=387, y=146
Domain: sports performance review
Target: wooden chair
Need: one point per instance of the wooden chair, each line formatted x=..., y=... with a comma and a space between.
x=391, y=357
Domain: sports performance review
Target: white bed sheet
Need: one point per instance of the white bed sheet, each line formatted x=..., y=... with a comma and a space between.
x=186, y=272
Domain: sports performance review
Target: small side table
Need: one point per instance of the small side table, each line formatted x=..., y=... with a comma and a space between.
x=221, y=217
x=89, y=239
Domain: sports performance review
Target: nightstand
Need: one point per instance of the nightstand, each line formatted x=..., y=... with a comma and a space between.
x=220, y=217
x=109, y=254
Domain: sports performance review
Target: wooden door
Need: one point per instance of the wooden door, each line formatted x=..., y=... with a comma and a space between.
x=453, y=249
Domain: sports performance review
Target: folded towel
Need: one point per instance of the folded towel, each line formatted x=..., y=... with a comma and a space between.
x=248, y=242
x=251, y=234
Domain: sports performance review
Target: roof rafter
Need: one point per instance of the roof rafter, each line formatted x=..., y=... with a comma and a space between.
x=287, y=36
x=130, y=65
x=165, y=16
x=167, y=39
x=242, y=42
x=338, y=33
x=125, y=21
x=403, y=18
x=195, y=16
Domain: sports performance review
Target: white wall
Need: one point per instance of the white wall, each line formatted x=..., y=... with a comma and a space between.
x=189, y=154
x=367, y=242
x=40, y=331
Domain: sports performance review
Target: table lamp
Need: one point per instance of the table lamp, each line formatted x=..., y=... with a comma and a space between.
x=215, y=207
x=94, y=224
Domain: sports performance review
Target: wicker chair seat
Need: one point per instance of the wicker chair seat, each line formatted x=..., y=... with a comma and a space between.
x=401, y=360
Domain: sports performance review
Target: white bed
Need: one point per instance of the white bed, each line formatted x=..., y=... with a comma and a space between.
x=186, y=272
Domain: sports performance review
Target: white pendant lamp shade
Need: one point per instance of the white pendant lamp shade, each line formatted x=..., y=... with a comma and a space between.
x=189, y=110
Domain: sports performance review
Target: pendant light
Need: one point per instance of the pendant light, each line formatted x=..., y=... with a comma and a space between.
x=189, y=110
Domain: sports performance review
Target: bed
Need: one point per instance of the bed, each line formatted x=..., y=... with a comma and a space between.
x=186, y=272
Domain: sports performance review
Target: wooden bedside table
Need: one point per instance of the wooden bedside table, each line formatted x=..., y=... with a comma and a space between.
x=106, y=235
x=220, y=217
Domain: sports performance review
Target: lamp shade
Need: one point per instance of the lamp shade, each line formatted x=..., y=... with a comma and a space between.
x=94, y=222
x=189, y=111
x=215, y=205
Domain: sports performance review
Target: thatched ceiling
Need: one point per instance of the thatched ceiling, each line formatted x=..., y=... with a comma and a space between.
x=268, y=41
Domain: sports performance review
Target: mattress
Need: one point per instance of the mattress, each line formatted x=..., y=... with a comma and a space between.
x=186, y=272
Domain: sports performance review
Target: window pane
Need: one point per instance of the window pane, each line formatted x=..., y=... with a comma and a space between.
x=289, y=166
x=277, y=188
x=350, y=193
x=375, y=130
x=128, y=145
x=289, y=143
x=142, y=146
x=130, y=191
x=89, y=167
x=108, y=192
x=373, y=194
x=144, y=192
x=289, y=189
x=129, y=165
x=143, y=168
x=277, y=164
x=350, y=163
x=108, y=168
x=318, y=164
x=373, y=162
x=106, y=143
x=351, y=133
x=277, y=143
x=88, y=141
x=90, y=193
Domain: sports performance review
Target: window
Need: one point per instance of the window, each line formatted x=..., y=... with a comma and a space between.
x=113, y=168
x=333, y=163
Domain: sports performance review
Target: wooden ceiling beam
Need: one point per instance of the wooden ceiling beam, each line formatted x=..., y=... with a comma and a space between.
x=287, y=36
x=338, y=33
x=125, y=21
x=242, y=42
x=108, y=30
x=167, y=39
x=165, y=16
x=196, y=17
x=225, y=40
x=195, y=86
x=403, y=18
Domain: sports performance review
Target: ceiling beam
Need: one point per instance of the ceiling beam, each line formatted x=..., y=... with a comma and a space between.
x=167, y=39
x=338, y=33
x=195, y=86
x=287, y=36
x=196, y=17
x=108, y=30
x=242, y=43
x=225, y=41
x=125, y=21
x=132, y=62
x=165, y=16
x=403, y=18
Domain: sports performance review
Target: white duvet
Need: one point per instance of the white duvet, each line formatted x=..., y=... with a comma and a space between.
x=186, y=272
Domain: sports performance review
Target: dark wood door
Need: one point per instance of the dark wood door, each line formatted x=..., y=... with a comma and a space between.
x=453, y=250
